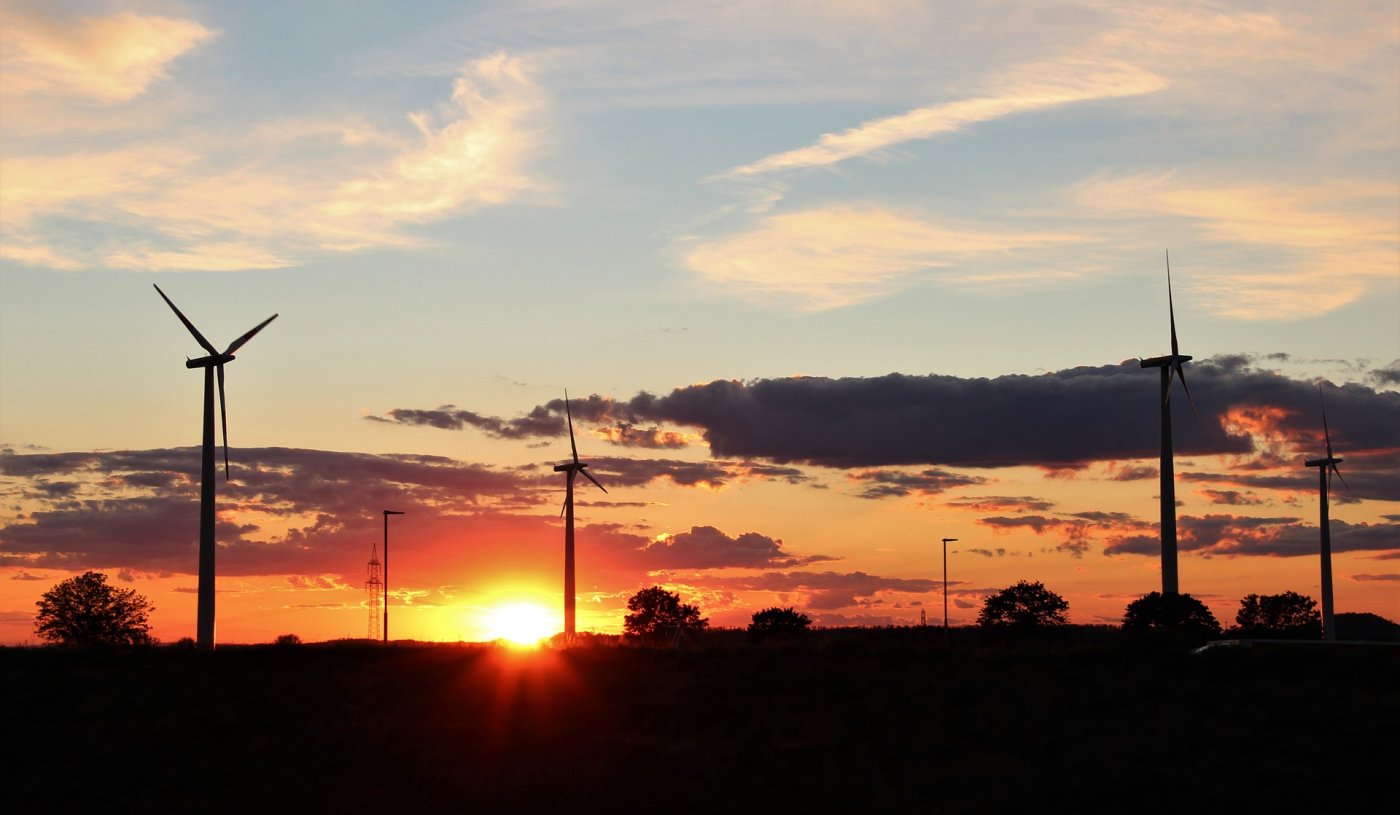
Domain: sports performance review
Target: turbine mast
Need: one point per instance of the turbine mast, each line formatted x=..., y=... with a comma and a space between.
x=571, y=469
x=213, y=366
x=1325, y=468
x=1171, y=368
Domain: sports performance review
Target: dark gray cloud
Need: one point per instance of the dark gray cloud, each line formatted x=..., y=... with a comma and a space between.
x=826, y=590
x=137, y=511
x=897, y=484
x=1002, y=503
x=1230, y=497
x=705, y=547
x=997, y=552
x=1075, y=531
x=1236, y=535
x=1388, y=375
x=540, y=422
x=1061, y=419
x=1370, y=578
x=714, y=473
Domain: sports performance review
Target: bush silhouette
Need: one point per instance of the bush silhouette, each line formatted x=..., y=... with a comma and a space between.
x=776, y=623
x=287, y=640
x=84, y=610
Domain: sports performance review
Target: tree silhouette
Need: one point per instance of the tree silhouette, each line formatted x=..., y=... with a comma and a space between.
x=775, y=623
x=1279, y=615
x=84, y=610
x=1023, y=606
x=1172, y=615
x=659, y=616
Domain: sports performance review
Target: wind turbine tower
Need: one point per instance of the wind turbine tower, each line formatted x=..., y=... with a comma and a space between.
x=213, y=366
x=572, y=468
x=1325, y=468
x=1171, y=366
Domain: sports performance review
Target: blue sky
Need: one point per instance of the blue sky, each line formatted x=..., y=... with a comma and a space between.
x=482, y=204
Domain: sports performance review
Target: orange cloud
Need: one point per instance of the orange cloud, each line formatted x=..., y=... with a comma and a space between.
x=112, y=59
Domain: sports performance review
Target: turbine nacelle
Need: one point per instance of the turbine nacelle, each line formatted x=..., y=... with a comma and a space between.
x=209, y=362
x=1162, y=362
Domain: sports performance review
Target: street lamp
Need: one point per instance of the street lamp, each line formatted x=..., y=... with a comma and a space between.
x=387, y=513
x=946, y=541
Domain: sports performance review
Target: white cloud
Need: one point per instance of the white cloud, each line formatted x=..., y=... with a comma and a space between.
x=839, y=256
x=215, y=210
x=1028, y=88
x=474, y=158
x=1339, y=240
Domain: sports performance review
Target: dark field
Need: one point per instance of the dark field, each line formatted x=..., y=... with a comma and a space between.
x=851, y=721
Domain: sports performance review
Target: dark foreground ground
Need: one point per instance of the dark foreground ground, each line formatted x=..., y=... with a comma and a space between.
x=844, y=721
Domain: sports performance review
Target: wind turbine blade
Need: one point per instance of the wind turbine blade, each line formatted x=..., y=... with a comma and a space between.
x=570, y=417
x=1325, y=432
x=1182, y=373
x=223, y=415
x=241, y=341
x=195, y=331
x=563, y=506
x=1171, y=310
x=590, y=477
x=1339, y=475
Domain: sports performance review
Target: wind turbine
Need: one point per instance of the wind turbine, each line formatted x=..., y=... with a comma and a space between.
x=212, y=365
x=1171, y=367
x=573, y=468
x=1325, y=468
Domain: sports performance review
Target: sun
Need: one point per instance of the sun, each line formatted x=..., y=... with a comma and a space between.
x=520, y=623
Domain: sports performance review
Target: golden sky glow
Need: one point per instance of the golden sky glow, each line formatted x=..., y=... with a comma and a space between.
x=827, y=282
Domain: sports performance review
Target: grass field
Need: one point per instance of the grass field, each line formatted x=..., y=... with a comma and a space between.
x=854, y=721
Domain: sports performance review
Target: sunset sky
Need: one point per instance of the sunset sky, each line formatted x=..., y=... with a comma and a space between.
x=826, y=282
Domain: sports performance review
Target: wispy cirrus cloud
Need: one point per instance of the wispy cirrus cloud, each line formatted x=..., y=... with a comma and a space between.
x=1036, y=86
x=202, y=205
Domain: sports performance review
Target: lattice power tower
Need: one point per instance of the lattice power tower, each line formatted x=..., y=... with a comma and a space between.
x=374, y=586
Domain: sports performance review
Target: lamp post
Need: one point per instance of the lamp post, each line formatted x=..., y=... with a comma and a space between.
x=946, y=541
x=387, y=513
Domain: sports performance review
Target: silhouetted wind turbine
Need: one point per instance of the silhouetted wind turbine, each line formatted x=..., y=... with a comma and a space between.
x=573, y=468
x=1171, y=367
x=212, y=365
x=1325, y=468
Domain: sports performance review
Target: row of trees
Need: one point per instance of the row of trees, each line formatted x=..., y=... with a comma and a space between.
x=658, y=616
x=86, y=610
x=1031, y=605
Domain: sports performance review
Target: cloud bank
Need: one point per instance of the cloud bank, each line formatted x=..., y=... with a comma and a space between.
x=1068, y=418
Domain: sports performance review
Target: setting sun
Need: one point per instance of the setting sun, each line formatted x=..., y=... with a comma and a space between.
x=520, y=623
